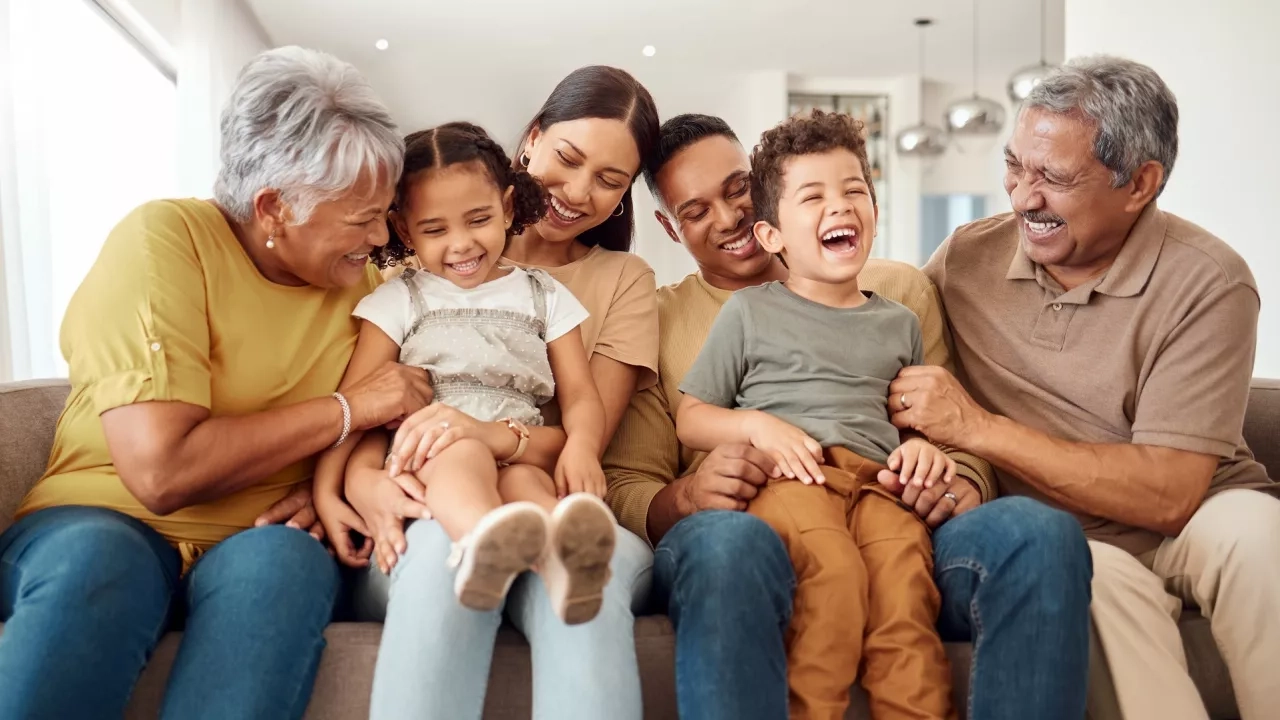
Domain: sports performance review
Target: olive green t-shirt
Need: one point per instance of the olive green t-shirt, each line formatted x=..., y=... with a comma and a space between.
x=824, y=370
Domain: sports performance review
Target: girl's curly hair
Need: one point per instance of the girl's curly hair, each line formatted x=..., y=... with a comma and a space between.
x=450, y=144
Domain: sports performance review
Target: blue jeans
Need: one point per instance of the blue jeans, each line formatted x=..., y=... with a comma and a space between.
x=1014, y=576
x=86, y=593
x=435, y=654
x=726, y=582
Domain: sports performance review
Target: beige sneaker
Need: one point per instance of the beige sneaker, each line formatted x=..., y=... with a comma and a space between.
x=576, y=568
x=506, y=542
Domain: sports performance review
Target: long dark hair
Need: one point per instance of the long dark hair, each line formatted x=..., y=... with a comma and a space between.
x=461, y=142
x=600, y=91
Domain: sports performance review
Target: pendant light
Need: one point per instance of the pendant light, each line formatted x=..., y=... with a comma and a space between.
x=1022, y=81
x=922, y=139
x=975, y=115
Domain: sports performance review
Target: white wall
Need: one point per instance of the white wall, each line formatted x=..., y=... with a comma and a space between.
x=1226, y=176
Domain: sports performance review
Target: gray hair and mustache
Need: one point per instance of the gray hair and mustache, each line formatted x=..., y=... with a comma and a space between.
x=1135, y=113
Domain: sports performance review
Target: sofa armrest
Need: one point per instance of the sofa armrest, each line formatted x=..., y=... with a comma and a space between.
x=28, y=416
x=1262, y=424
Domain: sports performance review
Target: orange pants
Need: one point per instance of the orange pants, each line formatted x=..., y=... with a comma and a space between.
x=864, y=594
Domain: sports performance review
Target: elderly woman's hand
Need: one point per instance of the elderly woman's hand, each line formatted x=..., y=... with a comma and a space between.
x=295, y=510
x=384, y=507
x=388, y=394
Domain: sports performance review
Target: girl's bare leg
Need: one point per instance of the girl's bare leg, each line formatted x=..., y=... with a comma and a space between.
x=462, y=486
x=527, y=483
x=494, y=542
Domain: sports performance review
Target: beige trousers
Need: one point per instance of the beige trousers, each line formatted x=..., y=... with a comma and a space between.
x=1227, y=562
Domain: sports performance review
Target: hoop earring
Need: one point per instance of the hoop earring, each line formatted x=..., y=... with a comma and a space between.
x=271, y=241
x=524, y=160
x=620, y=211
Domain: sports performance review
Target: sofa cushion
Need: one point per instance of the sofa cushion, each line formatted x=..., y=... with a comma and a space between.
x=28, y=414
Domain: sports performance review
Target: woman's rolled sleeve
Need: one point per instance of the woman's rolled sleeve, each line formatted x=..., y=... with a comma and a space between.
x=137, y=330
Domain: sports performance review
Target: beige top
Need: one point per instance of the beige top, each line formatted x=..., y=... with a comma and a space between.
x=618, y=289
x=1156, y=351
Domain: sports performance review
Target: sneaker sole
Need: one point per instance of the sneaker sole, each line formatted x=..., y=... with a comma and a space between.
x=582, y=543
x=498, y=555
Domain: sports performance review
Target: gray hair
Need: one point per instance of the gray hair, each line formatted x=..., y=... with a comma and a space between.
x=307, y=124
x=1135, y=113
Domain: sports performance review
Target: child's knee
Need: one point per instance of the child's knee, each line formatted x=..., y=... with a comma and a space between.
x=466, y=450
x=524, y=476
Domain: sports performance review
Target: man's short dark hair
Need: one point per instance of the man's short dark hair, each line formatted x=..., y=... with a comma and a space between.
x=811, y=134
x=678, y=133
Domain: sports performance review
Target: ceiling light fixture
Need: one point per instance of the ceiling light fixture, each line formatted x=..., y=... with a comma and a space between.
x=975, y=115
x=649, y=51
x=382, y=44
x=922, y=139
x=1024, y=80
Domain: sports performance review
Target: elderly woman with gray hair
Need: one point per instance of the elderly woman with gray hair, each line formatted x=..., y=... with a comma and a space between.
x=205, y=347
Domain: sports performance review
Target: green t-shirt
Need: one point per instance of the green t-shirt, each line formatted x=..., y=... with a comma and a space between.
x=824, y=370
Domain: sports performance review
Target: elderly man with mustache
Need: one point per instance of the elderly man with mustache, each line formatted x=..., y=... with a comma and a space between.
x=1105, y=350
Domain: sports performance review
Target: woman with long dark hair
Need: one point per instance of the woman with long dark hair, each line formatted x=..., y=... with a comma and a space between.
x=585, y=146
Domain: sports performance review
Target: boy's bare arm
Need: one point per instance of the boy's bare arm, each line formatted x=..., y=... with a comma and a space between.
x=702, y=426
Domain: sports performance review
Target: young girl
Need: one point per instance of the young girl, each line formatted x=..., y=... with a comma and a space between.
x=499, y=342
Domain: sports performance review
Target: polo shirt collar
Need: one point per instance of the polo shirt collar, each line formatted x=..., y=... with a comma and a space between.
x=1128, y=275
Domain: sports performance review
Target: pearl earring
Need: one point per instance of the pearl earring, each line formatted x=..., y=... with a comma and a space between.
x=271, y=241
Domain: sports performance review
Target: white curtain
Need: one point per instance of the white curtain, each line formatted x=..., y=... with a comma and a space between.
x=89, y=129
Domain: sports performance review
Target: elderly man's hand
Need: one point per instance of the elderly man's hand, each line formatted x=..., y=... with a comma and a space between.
x=937, y=504
x=929, y=400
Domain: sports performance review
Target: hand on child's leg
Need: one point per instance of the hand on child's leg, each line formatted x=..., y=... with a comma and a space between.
x=578, y=470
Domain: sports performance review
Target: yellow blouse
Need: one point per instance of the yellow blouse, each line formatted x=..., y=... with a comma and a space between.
x=174, y=310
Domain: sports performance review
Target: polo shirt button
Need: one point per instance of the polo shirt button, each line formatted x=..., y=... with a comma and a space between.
x=155, y=347
x=1057, y=306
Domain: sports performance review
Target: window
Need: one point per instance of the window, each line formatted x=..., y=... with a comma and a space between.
x=92, y=135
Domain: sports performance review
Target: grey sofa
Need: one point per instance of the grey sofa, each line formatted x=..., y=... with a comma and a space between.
x=29, y=410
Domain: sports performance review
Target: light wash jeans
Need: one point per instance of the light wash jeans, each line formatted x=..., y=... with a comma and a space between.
x=86, y=593
x=435, y=654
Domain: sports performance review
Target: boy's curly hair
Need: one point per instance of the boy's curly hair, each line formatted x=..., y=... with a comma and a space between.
x=460, y=142
x=817, y=132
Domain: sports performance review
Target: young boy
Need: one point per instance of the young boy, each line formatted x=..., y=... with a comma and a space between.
x=801, y=369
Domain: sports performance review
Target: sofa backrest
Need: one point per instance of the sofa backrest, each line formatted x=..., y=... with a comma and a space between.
x=29, y=412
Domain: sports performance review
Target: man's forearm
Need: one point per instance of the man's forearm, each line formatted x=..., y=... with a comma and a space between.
x=1144, y=486
x=664, y=512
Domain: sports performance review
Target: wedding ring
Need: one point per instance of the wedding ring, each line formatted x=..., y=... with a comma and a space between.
x=903, y=399
x=953, y=497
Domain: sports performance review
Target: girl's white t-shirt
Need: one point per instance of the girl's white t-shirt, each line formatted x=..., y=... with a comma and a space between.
x=390, y=306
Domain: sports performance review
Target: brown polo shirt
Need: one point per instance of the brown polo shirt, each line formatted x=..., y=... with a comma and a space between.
x=1156, y=351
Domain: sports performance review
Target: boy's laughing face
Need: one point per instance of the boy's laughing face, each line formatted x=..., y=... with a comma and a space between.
x=826, y=218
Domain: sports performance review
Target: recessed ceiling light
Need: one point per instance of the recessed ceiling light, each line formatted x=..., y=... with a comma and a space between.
x=382, y=44
x=649, y=50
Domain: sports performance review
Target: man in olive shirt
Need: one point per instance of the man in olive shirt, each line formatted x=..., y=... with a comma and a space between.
x=724, y=576
x=1107, y=349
